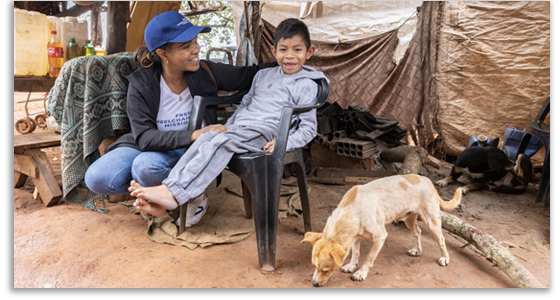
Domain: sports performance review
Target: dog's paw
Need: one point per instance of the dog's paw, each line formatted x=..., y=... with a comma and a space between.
x=443, y=261
x=414, y=252
x=349, y=268
x=442, y=182
x=360, y=275
x=465, y=190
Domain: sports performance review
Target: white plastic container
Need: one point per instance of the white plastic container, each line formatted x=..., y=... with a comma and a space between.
x=67, y=28
x=31, y=35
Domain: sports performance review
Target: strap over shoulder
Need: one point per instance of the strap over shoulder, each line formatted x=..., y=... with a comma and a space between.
x=205, y=66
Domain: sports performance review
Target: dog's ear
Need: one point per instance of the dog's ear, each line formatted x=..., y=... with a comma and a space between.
x=338, y=254
x=311, y=237
x=495, y=143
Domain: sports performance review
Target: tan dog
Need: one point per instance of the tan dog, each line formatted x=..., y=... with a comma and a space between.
x=363, y=212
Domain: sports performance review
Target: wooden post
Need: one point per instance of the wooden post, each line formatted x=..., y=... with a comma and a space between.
x=95, y=29
x=117, y=16
x=99, y=32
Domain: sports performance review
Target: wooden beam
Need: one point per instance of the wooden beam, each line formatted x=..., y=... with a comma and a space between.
x=201, y=11
x=19, y=179
x=46, y=183
x=43, y=139
x=78, y=10
x=26, y=165
x=33, y=83
x=117, y=17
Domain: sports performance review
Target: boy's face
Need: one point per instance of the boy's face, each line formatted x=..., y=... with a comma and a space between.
x=291, y=54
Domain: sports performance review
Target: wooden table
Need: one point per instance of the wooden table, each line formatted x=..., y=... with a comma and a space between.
x=33, y=83
x=30, y=161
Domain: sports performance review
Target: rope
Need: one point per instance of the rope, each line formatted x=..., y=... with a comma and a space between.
x=414, y=13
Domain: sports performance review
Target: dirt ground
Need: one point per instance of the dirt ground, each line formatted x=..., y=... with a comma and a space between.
x=73, y=247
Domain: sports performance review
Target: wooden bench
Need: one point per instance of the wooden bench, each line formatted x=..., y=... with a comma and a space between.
x=30, y=161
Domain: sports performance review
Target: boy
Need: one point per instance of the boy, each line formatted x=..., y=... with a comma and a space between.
x=252, y=128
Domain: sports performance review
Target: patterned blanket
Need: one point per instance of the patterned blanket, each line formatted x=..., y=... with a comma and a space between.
x=88, y=100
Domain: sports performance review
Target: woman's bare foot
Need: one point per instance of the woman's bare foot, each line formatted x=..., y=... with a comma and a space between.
x=160, y=195
x=149, y=208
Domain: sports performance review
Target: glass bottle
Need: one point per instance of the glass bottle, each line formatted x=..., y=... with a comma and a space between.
x=56, y=55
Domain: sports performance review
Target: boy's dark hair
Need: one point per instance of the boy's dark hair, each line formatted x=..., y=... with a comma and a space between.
x=290, y=28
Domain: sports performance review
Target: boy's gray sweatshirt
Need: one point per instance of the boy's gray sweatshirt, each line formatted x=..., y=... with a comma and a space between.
x=271, y=90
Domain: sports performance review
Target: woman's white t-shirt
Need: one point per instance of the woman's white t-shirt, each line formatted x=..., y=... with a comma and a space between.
x=174, y=110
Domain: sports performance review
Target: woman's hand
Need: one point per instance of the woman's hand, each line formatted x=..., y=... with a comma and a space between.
x=269, y=147
x=219, y=128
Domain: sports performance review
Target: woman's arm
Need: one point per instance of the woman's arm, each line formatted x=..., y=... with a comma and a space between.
x=232, y=78
x=144, y=126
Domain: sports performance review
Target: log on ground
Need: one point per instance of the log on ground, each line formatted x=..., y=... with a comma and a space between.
x=412, y=157
x=494, y=250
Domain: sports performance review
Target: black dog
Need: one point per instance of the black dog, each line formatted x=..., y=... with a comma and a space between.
x=515, y=182
x=481, y=165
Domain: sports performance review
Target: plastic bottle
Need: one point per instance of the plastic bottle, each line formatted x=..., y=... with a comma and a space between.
x=99, y=50
x=67, y=27
x=87, y=49
x=56, y=55
x=73, y=50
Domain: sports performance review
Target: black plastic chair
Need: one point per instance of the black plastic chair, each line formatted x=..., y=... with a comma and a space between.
x=261, y=174
x=540, y=130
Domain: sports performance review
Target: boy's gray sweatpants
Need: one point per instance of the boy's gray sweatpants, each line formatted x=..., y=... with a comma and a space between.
x=207, y=157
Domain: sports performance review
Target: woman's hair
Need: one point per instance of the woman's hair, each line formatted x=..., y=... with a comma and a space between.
x=146, y=58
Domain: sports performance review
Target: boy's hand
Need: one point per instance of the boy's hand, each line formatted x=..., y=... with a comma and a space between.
x=269, y=147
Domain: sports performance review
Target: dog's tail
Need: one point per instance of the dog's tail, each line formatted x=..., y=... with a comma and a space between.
x=449, y=205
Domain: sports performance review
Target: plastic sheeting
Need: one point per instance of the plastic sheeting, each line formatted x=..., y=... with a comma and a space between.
x=334, y=21
x=363, y=72
x=493, y=60
x=493, y=68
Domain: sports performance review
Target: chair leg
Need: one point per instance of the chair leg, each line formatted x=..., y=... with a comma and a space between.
x=524, y=143
x=303, y=195
x=247, y=200
x=547, y=197
x=260, y=208
x=544, y=183
x=183, y=217
x=253, y=174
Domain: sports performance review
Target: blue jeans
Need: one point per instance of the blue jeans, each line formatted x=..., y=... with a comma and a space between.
x=111, y=174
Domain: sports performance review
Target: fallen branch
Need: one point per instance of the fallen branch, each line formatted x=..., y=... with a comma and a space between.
x=493, y=250
x=412, y=157
x=520, y=257
x=473, y=248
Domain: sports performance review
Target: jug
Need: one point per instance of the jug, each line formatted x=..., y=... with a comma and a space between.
x=31, y=35
x=480, y=141
x=512, y=140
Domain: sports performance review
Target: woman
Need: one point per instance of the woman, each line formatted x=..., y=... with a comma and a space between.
x=159, y=101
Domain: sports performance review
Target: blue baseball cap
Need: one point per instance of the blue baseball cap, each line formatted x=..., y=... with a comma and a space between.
x=170, y=27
